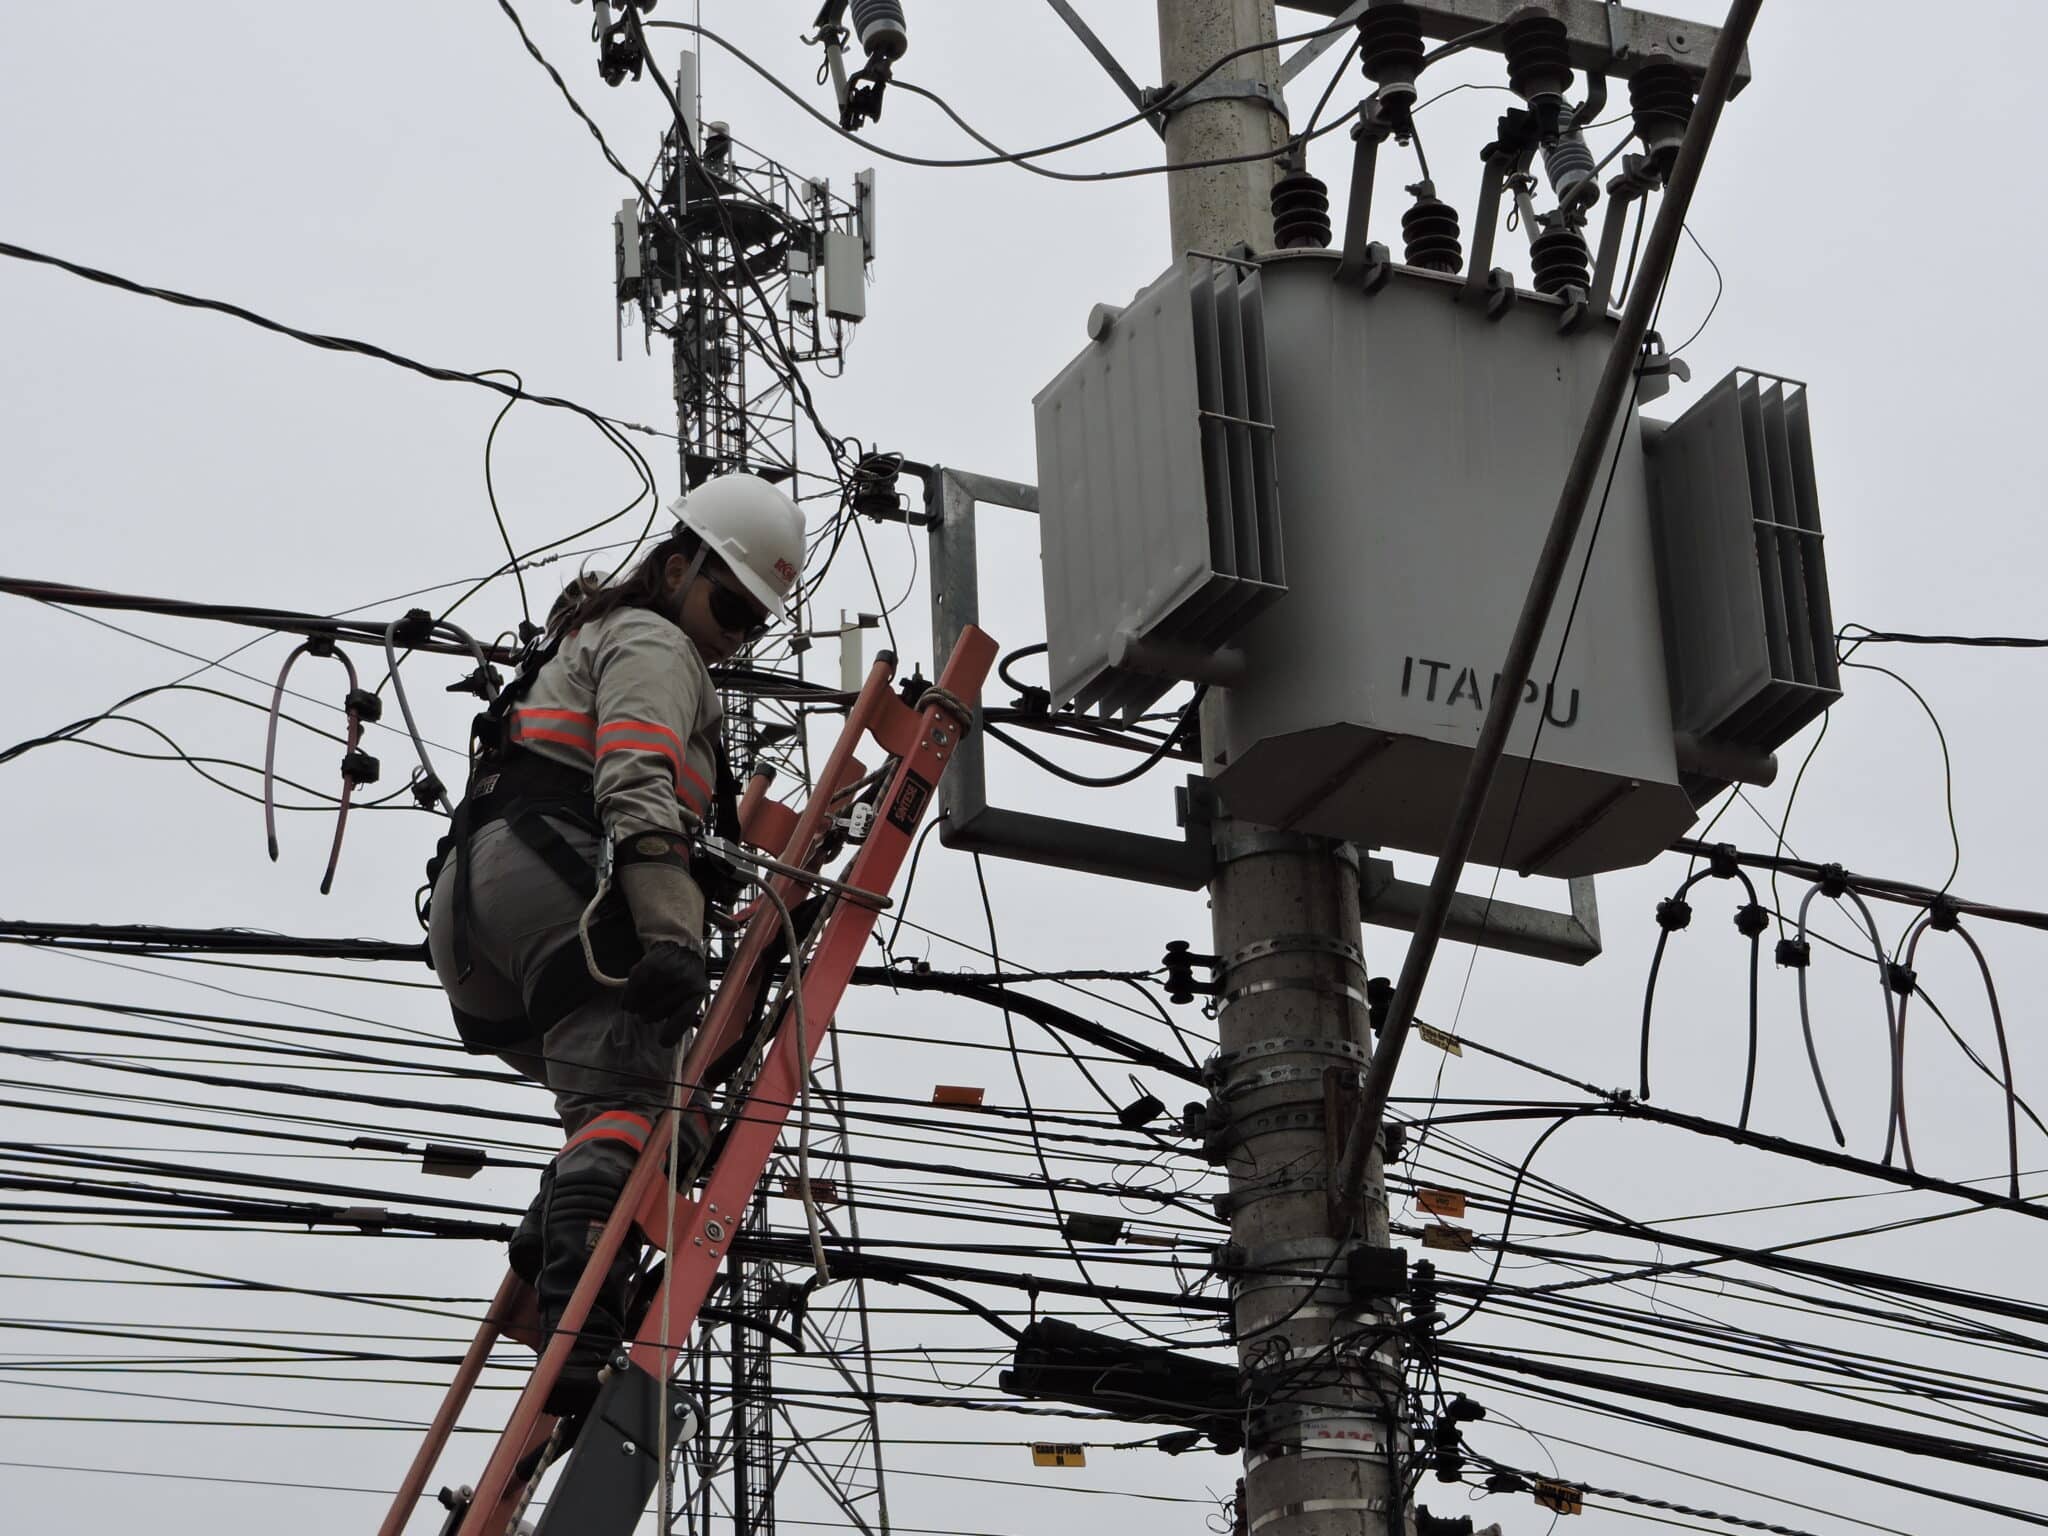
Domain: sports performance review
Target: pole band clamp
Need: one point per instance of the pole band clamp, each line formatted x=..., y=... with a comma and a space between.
x=1155, y=99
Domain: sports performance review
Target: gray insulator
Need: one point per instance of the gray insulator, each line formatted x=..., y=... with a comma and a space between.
x=1573, y=173
x=880, y=27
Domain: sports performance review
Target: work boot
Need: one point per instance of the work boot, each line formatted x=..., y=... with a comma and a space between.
x=523, y=1251
x=578, y=1203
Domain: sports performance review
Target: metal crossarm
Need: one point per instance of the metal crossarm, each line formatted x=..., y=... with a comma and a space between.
x=622, y=1447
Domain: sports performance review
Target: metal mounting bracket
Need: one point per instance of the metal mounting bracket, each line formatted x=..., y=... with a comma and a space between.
x=1614, y=39
x=1133, y=92
x=968, y=822
x=1571, y=938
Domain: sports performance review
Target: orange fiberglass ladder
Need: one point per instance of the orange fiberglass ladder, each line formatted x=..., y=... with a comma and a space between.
x=622, y=1444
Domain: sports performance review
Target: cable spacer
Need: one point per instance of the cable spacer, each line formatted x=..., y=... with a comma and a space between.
x=364, y=705
x=1751, y=919
x=1944, y=914
x=1794, y=954
x=1902, y=979
x=427, y=789
x=360, y=768
x=1834, y=881
x=413, y=629
x=1674, y=913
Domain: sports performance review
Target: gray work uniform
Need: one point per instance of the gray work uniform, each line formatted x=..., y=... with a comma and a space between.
x=628, y=700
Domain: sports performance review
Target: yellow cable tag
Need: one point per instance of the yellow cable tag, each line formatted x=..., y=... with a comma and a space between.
x=1438, y=1235
x=1441, y=1202
x=1047, y=1454
x=1439, y=1039
x=1562, y=1497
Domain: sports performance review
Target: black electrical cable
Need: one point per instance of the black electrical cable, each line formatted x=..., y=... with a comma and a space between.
x=1024, y=1093
x=1865, y=635
x=1716, y=1437
x=999, y=155
x=1720, y=287
x=312, y=338
x=1166, y=748
x=1884, y=1437
x=512, y=555
x=1948, y=776
x=910, y=881
x=1676, y=904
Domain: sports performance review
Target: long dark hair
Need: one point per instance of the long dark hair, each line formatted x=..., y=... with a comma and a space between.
x=589, y=598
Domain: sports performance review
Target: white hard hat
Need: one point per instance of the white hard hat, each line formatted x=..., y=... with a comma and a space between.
x=755, y=529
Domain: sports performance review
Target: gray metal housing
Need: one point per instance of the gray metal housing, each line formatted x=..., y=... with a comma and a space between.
x=1748, y=628
x=1420, y=441
x=1157, y=485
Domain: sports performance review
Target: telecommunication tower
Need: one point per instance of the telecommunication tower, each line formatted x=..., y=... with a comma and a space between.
x=751, y=272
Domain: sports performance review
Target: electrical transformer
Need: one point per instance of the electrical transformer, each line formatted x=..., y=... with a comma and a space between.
x=1327, y=502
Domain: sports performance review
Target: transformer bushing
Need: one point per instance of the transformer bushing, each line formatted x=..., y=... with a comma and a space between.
x=1390, y=53
x=1301, y=212
x=1429, y=230
x=1559, y=260
x=1539, y=65
x=1660, y=98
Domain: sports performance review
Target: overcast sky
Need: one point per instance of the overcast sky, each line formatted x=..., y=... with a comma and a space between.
x=403, y=173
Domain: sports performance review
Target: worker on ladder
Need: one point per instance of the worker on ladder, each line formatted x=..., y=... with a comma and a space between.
x=570, y=867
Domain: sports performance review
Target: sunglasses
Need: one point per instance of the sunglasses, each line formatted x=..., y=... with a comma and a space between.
x=735, y=611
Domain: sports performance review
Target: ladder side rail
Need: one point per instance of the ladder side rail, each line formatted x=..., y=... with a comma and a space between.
x=414, y=1483
x=705, y=1229
x=743, y=977
x=530, y=1424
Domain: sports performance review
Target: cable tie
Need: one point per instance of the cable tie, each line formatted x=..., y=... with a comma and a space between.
x=1902, y=979
x=1751, y=920
x=1794, y=954
x=1721, y=862
x=1944, y=914
x=1834, y=881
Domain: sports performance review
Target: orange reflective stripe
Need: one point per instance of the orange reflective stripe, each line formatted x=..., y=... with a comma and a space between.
x=695, y=799
x=568, y=727
x=614, y=1125
x=686, y=771
x=641, y=728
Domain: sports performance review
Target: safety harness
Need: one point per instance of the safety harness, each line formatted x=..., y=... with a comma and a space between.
x=531, y=793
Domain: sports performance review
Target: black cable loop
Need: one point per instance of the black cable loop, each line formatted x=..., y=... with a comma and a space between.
x=1892, y=1120
x=1675, y=913
x=1934, y=918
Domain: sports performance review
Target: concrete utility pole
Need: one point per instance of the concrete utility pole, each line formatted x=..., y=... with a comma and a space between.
x=1284, y=910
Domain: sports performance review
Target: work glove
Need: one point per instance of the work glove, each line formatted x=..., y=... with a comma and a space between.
x=668, y=985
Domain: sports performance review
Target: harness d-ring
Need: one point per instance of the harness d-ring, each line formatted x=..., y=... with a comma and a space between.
x=357, y=766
